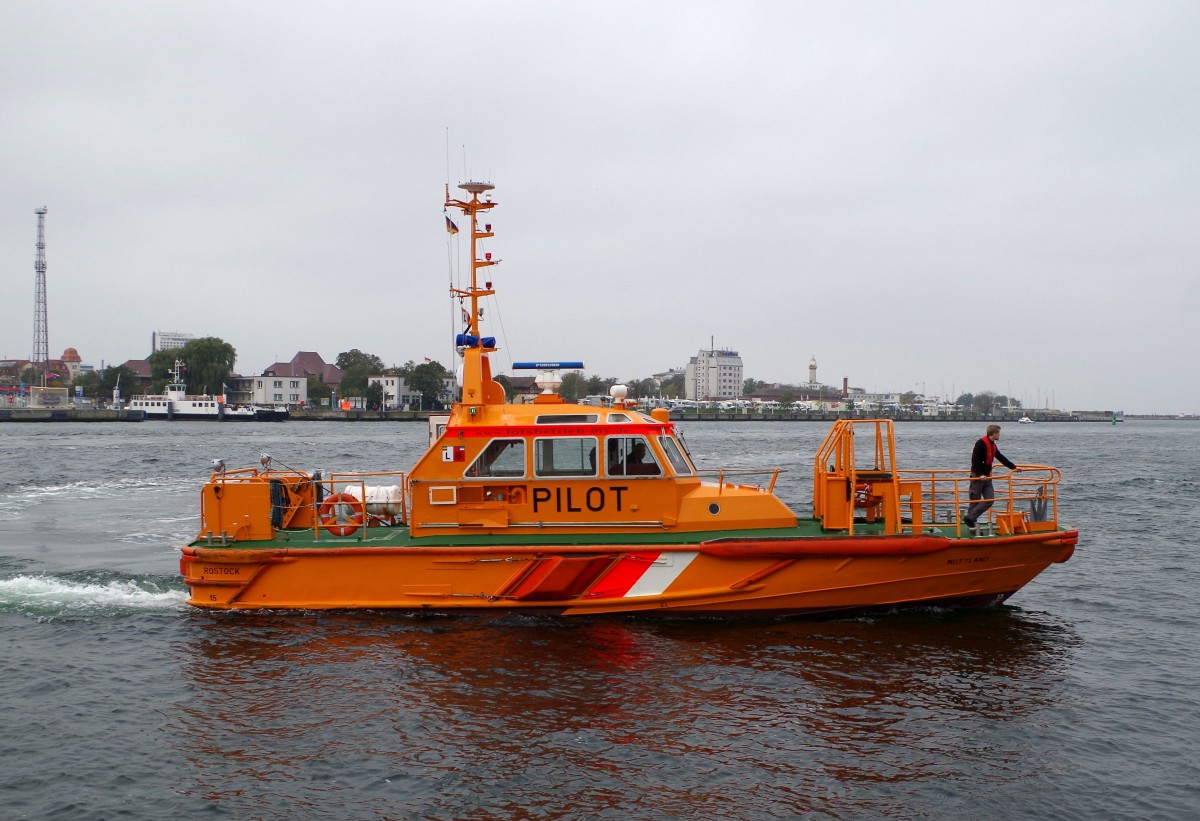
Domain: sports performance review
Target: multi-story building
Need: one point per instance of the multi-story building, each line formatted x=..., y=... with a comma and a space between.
x=399, y=395
x=267, y=389
x=714, y=374
x=306, y=364
x=270, y=389
x=396, y=392
x=284, y=379
x=663, y=376
x=73, y=363
x=168, y=340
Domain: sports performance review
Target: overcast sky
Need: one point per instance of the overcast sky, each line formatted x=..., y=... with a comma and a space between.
x=942, y=197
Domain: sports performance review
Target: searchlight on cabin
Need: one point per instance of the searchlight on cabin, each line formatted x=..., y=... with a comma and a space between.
x=548, y=379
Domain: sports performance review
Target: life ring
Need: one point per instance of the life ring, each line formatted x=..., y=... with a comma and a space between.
x=341, y=514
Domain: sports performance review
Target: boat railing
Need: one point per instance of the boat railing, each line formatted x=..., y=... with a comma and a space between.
x=856, y=481
x=375, y=504
x=855, y=470
x=730, y=477
x=235, y=475
x=299, y=500
x=1025, y=500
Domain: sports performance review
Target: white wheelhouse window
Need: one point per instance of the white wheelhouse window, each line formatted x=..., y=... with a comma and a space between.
x=630, y=456
x=564, y=457
x=501, y=457
x=679, y=462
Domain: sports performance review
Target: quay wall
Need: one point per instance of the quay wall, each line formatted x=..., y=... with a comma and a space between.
x=70, y=415
x=323, y=415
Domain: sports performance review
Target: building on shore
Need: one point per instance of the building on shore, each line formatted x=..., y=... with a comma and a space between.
x=713, y=374
x=525, y=389
x=267, y=389
x=306, y=364
x=397, y=394
x=169, y=340
x=285, y=379
x=669, y=374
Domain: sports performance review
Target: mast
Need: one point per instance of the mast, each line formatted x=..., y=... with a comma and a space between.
x=41, y=345
x=477, y=384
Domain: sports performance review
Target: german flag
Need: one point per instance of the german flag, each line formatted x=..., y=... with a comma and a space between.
x=450, y=226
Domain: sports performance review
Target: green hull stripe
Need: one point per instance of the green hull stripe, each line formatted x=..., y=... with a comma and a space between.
x=400, y=537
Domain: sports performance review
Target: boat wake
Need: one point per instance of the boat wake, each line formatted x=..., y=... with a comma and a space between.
x=89, y=594
x=17, y=499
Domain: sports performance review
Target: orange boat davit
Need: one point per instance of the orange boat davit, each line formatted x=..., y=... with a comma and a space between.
x=556, y=508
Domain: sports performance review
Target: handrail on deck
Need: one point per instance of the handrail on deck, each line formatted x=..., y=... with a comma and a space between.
x=917, y=500
x=357, y=479
x=293, y=491
x=237, y=474
x=1029, y=495
x=720, y=473
x=839, y=483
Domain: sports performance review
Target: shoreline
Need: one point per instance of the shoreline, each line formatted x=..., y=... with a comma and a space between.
x=297, y=415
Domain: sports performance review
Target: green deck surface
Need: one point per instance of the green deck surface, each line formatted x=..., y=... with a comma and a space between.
x=399, y=536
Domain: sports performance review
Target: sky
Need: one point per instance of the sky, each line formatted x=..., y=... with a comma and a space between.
x=939, y=197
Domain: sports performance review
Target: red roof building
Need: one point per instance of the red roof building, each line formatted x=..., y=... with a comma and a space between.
x=307, y=363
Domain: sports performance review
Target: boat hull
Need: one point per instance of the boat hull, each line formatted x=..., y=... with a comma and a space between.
x=224, y=414
x=186, y=416
x=725, y=578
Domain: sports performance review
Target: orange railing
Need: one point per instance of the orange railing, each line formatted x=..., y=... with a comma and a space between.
x=722, y=477
x=1025, y=501
x=840, y=484
x=855, y=481
x=393, y=507
x=294, y=501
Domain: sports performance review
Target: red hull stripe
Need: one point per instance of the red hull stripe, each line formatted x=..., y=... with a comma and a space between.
x=618, y=581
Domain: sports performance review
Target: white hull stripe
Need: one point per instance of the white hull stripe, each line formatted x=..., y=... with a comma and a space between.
x=660, y=574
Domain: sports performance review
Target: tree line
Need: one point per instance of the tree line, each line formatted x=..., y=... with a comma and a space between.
x=427, y=378
x=209, y=362
x=207, y=366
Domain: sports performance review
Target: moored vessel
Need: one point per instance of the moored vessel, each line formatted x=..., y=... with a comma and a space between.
x=175, y=403
x=574, y=509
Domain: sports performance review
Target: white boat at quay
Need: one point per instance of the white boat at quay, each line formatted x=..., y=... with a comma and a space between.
x=176, y=403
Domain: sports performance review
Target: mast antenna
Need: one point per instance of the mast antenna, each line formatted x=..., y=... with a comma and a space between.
x=41, y=341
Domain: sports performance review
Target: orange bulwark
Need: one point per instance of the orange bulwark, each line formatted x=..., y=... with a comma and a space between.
x=577, y=509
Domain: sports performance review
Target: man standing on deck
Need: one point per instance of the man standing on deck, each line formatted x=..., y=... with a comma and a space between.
x=982, y=492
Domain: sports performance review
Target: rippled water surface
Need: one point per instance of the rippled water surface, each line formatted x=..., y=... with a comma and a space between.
x=1076, y=700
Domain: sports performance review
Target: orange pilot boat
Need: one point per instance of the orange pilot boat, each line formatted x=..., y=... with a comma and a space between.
x=556, y=508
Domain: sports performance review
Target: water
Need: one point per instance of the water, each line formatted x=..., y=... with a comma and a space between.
x=1077, y=700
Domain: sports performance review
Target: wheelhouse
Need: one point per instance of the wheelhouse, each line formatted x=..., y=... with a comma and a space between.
x=544, y=468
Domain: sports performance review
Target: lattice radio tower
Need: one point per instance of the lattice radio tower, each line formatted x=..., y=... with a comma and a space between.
x=41, y=339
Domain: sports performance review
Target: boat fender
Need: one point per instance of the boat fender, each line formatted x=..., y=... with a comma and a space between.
x=1037, y=506
x=341, y=514
x=317, y=476
x=279, y=501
